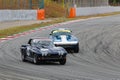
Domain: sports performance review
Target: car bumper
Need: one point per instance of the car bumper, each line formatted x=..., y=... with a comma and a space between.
x=67, y=45
x=51, y=58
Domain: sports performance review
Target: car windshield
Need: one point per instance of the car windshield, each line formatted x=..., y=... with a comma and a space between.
x=43, y=44
x=61, y=33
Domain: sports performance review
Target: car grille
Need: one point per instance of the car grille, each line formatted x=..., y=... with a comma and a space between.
x=65, y=46
x=52, y=56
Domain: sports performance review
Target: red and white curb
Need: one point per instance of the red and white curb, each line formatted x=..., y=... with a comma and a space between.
x=41, y=29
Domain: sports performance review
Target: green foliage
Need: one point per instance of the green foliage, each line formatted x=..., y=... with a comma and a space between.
x=54, y=9
x=114, y=1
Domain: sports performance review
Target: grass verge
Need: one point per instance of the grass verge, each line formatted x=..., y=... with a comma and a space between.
x=18, y=29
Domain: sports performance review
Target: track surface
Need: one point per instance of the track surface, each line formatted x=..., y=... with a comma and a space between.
x=98, y=59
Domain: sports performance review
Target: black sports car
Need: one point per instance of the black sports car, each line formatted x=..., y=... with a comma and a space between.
x=42, y=49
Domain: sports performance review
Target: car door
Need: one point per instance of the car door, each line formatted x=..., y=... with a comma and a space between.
x=28, y=51
x=29, y=48
x=32, y=49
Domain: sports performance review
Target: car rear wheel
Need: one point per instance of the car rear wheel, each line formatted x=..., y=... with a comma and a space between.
x=35, y=59
x=62, y=61
x=23, y=57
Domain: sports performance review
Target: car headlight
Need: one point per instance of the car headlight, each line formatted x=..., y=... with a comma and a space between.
x=57, y=40
x=44, y=53
x=61, y=52
x=72, y=39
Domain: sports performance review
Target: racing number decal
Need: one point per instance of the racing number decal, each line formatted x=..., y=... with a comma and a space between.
x=28, y=51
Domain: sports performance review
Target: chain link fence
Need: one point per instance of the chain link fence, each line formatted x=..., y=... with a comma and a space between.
x=87, y=3
x=20, y=4
x=34, y=4
x=114, y=4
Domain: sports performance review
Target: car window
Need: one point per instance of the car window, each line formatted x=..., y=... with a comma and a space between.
x=33, y=43
x=61, y=33
x=44, y=44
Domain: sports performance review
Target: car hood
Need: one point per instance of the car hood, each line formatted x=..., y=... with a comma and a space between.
x=65, y=39
x=54, y=50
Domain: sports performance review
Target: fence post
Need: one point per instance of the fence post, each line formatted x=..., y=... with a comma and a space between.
x=41, y=11
x=41, y=4
x=18, y=1
x=30, y=3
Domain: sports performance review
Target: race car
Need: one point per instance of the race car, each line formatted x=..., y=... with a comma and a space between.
x=42, y=49
x=64, y=38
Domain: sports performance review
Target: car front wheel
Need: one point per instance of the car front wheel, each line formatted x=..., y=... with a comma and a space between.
x=62, y=61
x=23, y=57
x=35, y=59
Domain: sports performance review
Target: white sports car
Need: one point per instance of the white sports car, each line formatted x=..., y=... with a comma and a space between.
x=64, y=38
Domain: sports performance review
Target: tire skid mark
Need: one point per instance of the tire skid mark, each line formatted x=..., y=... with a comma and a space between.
x=98, y=58
x=103, y=74
x=102, y=46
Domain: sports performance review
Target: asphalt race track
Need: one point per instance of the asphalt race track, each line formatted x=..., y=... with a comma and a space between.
x=98, y=58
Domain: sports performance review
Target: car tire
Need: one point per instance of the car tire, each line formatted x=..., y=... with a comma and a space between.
x=35, y=59
x=23, y=57
x=62, y=61
x=76, y=49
